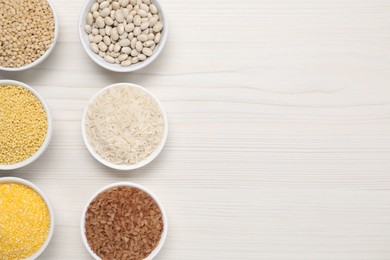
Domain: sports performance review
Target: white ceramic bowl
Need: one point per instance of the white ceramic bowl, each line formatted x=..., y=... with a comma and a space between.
x=128, y=167
x=47, y=52
x=50, y=208
x=117, y=67
x=49, y=127
x=133, y=185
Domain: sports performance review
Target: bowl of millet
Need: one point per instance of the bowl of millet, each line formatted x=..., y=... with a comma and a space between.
x=123, y=35
x=25, y=125
x=28, y=33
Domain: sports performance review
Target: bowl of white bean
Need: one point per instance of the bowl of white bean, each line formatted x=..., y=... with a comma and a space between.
x=123, y=35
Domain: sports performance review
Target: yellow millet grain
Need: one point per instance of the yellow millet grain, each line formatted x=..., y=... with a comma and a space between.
x=24, y=221
x=23, y=124
x=26, y=31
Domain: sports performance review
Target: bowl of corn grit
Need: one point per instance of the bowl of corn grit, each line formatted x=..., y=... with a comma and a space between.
x=25, y=125
x=27, y=219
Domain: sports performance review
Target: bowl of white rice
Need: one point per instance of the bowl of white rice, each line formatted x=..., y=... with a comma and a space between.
x=124, y=126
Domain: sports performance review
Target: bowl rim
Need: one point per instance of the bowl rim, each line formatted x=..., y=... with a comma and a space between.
x=160, y=245
x=116, y=67
x=148, y=159
x=49, y=132
x=48, y=204
x=47, y=52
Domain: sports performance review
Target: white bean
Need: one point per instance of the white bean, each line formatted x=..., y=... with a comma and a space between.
x=129, y=27
x=105, y=12
x=102, y=46
x=121, y=29
x=144, y=25
x=153, y=21
x=147, y=51
x=119, y=16
x=158, y=27
x=108, y=20
x=137, y=20
x=123, y=36
x=144, y=7
x=91, y=37
x=123, y=57
x=88, y=28
x=115, y=54
x=134, y=60
x=126, y=63
x=133, y=43
x=126, y=50
x=109, y=59
x=115, y=5
x=108, y=30
x=89, y=19
x=100, y=22
x=157, y=38
x=139, y=46
x=137, y=31
x=107, y=40
x=104, y=4
x=117, y=47
x=98, y=38
x=125, y=3
x=149, y=43
x=142, y=13
x=96, y=14
x=142, y=38
x=153, y=9
x=125, y=12
x=124, y=42
x=95, y=31
x=114, y=34
x=94, y=7
x=134, y=53
x=94, y=47
x=141, y=57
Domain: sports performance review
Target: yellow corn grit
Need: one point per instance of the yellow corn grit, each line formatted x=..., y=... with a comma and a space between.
x=24, y=221
x=23, y=124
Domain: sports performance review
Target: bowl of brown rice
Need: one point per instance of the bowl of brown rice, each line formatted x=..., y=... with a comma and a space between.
x=124, y=221
x=124, y=126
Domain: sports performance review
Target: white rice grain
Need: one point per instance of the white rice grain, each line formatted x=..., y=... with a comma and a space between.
x=124, y=125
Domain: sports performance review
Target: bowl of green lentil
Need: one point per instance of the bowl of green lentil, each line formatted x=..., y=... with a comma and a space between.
x=25, y=125
x=27, y=219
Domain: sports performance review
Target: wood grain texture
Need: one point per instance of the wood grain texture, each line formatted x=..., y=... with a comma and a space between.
x=279, y=140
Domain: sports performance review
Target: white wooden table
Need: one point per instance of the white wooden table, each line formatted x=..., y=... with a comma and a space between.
x=279, y=143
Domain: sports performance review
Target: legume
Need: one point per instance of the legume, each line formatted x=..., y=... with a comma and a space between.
x=23, y=124
x=129, y=23
x=24, y=221
x=26, y=31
